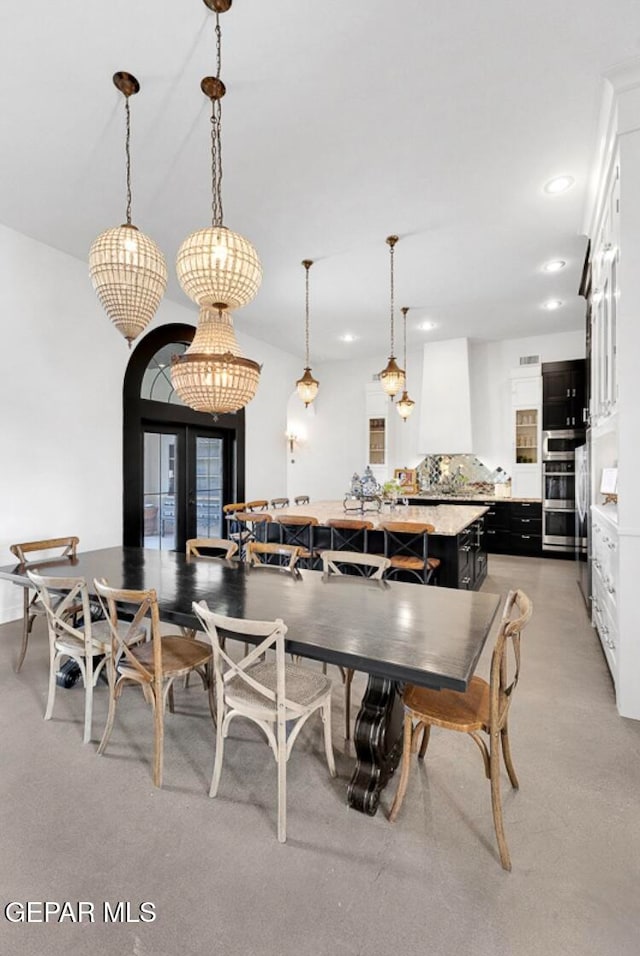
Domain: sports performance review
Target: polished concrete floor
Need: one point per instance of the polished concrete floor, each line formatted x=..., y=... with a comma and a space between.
x=78, y=827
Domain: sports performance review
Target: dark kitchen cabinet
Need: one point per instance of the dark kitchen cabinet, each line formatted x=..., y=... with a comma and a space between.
x=564, y=398
x=509, y=527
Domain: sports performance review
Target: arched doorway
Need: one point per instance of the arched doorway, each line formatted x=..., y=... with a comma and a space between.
x=179, y=466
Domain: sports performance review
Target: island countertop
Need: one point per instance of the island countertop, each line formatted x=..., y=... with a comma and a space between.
x=448, y=520
x=427, y=496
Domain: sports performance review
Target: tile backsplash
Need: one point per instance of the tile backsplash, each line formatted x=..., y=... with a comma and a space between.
x=457, y=474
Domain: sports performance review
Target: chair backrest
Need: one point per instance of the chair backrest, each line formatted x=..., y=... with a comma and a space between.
x=195, y=547
x=349, y=534
x=371, y=566
x=226, y=669
x=406, y=538
x=261, y=555
x=297, y=530
x=279, y=502
x=302, y=500
x=66, y=546
x=504, y=679
x=144, y=604
x=234, y=506
x=60, y=611
x=258, y=505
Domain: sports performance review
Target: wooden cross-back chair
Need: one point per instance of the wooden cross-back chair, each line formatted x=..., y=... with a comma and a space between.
x=269, y=693
x=482, y=709
x=299, y=530
x=370, y=566
x=32, y=606
x=349, y=534
x=405, y=544
x=196, y=546
x=279, y=503
x=302, y=500
x=152, y=666
x=260, y=504
x=271, y=554
x=73, y=635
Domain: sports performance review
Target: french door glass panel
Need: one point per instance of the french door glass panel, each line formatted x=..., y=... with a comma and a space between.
x=159, y=490
x=209, y=487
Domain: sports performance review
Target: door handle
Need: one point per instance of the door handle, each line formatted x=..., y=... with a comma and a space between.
x=568, y=393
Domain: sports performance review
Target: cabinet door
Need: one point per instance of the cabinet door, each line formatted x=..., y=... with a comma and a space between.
x=556, y=386
x=557, y=415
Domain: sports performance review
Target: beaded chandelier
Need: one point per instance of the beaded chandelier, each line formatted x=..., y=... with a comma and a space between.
x=307, y=385
x=220, y=270
x=212, y=375
x=392, y=377
x=215, y=266
x=127, y=268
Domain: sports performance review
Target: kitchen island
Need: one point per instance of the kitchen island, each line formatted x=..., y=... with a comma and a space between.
x=458, y=538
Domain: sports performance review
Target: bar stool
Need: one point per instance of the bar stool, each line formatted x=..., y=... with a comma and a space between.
x=405, y=544
x=252, y=527
x=299, y=530
x=279, y=503
x=302, y=500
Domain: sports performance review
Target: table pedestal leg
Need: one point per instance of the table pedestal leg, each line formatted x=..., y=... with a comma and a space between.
x=377, y=739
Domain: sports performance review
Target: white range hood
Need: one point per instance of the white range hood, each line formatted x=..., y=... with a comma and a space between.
x=445, y=402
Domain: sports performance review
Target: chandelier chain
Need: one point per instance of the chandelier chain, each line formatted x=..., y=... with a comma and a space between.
x=216, y=140
x=306, y=325
x=391, y=249
x=127, y=149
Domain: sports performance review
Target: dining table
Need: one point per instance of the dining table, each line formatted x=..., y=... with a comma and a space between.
x=395, y=632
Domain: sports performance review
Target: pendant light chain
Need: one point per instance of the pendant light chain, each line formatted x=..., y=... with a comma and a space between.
x=127, y=149
x=391, y=248
x=216, y=140
x=307, y=266
x=404, y=331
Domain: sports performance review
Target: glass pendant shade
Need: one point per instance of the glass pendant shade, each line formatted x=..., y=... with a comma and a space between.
x=307, y=387
x=392, y=378
x=129, y=275
x=405, y=406
x=218, y=267
x=212, y=375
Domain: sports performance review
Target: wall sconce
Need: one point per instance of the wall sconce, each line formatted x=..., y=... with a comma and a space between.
x=293, y=441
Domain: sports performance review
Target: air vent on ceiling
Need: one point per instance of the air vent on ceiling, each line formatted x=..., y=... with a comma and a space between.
x=529, y=360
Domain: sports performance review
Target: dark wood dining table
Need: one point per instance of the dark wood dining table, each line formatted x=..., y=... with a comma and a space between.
x=395, y=632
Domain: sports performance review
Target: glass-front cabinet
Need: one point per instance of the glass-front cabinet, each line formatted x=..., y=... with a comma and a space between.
x=526, y=425
x=526, y=420
x=604, y=305
x=377, y=428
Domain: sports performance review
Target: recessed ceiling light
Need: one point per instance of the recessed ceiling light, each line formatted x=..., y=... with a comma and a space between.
x=559, y=185
x=347, y=337
x=554, y=265
x=427, y=326
x=552, y=304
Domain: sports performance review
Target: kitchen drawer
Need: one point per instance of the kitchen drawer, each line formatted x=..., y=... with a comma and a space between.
x=605, y=625
x=526, y=509
x=526, y=525
x=497, y=516
x=525, y=543
x=606, y=589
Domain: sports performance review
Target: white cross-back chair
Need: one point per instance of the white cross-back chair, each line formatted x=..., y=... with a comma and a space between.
x=79, y=642
x=270, y=693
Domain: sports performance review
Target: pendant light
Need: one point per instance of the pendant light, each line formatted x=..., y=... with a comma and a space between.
x=405, y=405
x=392, y=377
x=215, y=266
x=127, y=268
x=221, y=271
x=307, y=385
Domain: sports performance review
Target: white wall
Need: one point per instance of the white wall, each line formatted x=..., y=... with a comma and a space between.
x=61, y=400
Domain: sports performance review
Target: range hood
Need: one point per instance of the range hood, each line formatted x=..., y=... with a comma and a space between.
x=445, y=401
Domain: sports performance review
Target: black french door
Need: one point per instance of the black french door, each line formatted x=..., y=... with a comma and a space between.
x=186, y=478
x=179, y=466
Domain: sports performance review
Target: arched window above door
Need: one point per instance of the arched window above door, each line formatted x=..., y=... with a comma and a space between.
x=156, y=381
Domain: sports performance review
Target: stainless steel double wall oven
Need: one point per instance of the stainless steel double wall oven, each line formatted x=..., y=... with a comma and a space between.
x=559, y=490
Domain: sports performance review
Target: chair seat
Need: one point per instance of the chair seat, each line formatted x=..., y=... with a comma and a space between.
x=407, y=562
x=179, y=655
x=433, y=563
x=302, y=686
x=100, y=639
x=466, y=711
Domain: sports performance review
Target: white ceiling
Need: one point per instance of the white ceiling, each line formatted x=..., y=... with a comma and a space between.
x=344, y=122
